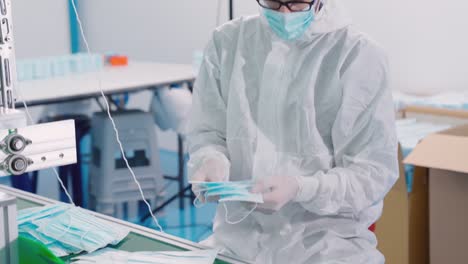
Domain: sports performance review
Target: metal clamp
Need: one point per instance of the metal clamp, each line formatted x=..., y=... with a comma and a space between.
x=14, y=143
x=16, y=164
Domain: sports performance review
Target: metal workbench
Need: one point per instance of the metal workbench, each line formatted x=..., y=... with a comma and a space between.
x=139, y=239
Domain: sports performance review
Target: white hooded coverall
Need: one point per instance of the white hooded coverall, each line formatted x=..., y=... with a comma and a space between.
x=318, y=108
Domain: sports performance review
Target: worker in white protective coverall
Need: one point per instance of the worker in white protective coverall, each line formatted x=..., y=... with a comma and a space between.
x=297, y=100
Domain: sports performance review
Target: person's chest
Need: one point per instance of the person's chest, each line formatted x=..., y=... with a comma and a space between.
x=291, y=95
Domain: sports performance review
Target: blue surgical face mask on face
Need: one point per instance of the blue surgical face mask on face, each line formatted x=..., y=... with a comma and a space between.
x=289, y=26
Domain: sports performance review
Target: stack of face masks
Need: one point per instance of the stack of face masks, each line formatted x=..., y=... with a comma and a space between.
x=66, y=229
x=227, y=191
x=122, y=257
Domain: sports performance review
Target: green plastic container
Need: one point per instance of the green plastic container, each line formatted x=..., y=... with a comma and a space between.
x=33, y=252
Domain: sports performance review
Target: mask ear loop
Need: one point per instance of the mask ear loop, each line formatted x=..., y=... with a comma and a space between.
x=197, y=203
x=240, y=220
x=67, y=229
x=83, y=237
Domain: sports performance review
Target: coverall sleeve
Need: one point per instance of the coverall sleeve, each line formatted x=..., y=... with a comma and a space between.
x=364, y=141
x=207, y=125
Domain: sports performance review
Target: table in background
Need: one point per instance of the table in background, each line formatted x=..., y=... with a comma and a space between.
x=136, y=77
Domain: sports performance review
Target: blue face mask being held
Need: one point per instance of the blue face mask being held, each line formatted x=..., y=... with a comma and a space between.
x=229, y=192
x=289, y=26
x=226, y=191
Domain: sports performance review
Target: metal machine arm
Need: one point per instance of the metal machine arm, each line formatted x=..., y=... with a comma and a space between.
x=26, y=148
x=7, y=59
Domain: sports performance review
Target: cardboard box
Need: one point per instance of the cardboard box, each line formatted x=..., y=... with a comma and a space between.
x=445, y=156
x=402, y=231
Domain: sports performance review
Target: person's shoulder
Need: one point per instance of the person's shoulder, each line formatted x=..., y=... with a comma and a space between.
x=360, y=43
x=245, y=25
x=364, y=60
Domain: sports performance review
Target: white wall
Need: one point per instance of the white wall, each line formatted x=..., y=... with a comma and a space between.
x=165, y=31
x=41, y=27
x=426, y=40
x=155, y=30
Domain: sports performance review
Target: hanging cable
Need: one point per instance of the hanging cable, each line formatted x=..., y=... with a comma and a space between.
x=231, y=10
x=117, y=137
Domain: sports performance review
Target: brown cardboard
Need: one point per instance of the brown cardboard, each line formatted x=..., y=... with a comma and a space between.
x=419, y=218
x=432, y=111
x=445, y=157
x=448, y=194
x=441, y=151
x=392, y=228
x=461, y=131
x=402, y=231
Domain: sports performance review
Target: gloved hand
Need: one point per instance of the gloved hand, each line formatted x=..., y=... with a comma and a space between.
x=211, y=170
x=277, y=191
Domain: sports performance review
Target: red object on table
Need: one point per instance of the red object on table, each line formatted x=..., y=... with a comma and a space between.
x=118, y=60
x=372, y=228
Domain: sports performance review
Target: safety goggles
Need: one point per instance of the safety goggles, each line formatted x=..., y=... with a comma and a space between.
x=293, y=6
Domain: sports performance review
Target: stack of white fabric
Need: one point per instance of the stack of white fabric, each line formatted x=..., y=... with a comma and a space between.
x=411, y=131
x=448, y=100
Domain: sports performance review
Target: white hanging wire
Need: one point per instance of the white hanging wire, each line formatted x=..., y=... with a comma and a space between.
x=117, y=137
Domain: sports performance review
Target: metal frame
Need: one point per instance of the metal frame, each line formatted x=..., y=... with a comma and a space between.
x=7, y=58
x=140, y=230
x=50, y=145
x=8, y=229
